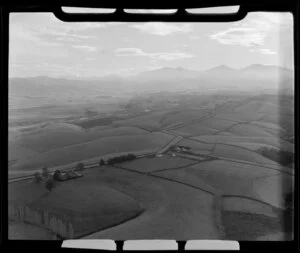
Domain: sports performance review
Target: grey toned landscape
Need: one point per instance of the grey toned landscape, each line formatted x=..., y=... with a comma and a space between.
x=167, y=152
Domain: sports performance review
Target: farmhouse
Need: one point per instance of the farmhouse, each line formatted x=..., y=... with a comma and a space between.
x=63, y=176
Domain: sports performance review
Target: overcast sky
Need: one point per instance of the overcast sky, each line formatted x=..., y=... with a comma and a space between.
x=40, y=44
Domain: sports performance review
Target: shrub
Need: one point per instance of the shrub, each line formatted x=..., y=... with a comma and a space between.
x=50, y=184
x=38, y=177
x=56, y=175
x=80, y=166
x=102, y=162
x=45, y=173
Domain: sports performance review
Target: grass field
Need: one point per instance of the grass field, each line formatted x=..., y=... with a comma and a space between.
x=273, y=141
x=183, y=116
x=88, y=205
x=272, y=189
x=283, y=120
x=268, y=125
x=249, y=227
x=101, y=147
x=187, y=176
x=24, y=231
x=51, y=138
x=195, y=130
x=195, y=145
x=19, y=153
x=250, y=130
x=149, y=122
x=232, y=152
x=251, y=146
x=237, y=178
x=217, y=124
x=147, y=165
x=232, y=116
x=172, y=210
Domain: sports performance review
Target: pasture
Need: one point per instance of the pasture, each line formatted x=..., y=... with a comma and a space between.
x=87, y=204
x=217, y=124
x=233, y=152
x=271, y=140
x=272, y=189
x=241, y=179
x=168, y=206
x=194, y=130
x=165, y=162
x=149, y=122
x=250, y=130
x=187, y=176
x=250, y=227
x=100, y=147
x=183, y=116
x=55, y=136
x=24, y=231
x=196, y=145
x=283, y=120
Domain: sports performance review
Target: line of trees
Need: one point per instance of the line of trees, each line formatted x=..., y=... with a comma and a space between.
x=122, y=158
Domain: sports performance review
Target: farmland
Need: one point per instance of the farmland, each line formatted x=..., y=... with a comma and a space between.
x=197, y=165
x=113, y=208
x=100, y=147
x=147, y=165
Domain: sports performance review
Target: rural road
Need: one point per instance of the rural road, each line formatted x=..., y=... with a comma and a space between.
x=171, y=143
x=89, y=163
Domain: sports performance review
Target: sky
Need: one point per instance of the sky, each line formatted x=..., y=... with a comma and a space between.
x=42, y=45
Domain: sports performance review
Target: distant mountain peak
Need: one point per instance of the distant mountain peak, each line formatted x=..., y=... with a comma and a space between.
x=222, y=68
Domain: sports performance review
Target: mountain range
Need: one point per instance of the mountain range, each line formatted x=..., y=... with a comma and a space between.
x=255, y=76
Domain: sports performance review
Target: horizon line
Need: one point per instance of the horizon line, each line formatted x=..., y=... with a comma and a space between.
x=159, y=68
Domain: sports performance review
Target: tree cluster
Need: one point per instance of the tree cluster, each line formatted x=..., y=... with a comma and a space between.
x=122, y=158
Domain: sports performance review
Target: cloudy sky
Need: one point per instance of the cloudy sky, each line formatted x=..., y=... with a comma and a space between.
x=40, y=44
